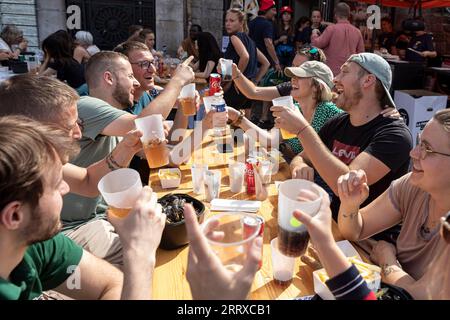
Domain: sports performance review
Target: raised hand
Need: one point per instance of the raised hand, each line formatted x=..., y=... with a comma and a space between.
x=353, y=189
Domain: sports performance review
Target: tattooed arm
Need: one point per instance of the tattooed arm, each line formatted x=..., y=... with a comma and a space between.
x=355, y=224
x=385, y=255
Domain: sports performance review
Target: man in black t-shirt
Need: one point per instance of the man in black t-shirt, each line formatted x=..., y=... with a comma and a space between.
x=358, y=139
x=420, y=47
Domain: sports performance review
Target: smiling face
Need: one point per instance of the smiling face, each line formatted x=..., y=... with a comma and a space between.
x=145, y=76
x=301, y=88
x=432, y=174
x=125, y=84
x=348, y=86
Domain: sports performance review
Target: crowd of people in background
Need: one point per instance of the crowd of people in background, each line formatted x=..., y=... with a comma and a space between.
x=71, y=122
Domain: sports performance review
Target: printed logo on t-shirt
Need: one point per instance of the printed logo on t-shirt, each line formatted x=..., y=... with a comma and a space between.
x=344, y=152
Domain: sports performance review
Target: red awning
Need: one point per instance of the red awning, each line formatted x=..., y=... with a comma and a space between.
x=426, y=4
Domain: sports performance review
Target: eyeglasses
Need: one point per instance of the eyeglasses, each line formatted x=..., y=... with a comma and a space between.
x=445, y=227
x=426, y=150
x=144, y=64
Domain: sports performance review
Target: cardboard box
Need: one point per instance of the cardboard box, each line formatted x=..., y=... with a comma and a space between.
x=417, y=107
x=348, y=250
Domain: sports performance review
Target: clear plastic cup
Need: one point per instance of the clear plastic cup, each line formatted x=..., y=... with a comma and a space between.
x=288, y=102
x=187, y=100
x=212, y=184
x=282, y=266
x=230, y=235
x=153, y=140
x=120, y=189
x=236, y=173
x=293, y=236
x=226, y=68
x=198, y=177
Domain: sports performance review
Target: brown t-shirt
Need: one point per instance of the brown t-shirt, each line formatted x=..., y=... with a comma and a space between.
x=415, y=248
x=435, y=284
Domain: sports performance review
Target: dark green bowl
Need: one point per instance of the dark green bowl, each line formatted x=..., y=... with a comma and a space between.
x=174, y=235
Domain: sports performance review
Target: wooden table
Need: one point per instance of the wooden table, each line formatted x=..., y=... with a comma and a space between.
x=170, y=274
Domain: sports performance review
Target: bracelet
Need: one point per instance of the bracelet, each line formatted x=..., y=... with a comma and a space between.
x=112, y=164
x=238, y=121
x=301, y=130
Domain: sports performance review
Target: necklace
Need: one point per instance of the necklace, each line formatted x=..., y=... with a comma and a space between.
x=428, y=232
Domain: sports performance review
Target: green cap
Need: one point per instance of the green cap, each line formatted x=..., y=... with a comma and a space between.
x=377, y=66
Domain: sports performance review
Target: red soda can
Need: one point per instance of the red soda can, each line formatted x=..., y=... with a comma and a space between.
x=250, y=176
x=214, y=83
x=249, y=225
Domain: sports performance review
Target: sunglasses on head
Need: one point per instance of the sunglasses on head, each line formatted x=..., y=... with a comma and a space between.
x=308, y=50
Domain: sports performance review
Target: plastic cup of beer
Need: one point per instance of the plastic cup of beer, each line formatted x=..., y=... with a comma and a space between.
x=120, y=189
x=236, y=173
x=230, y=235
x=288, y=102
x=226, y=68
x=198, y=177
x=293, y=236
x=153, y=140
x=282, y=266
x=187, y=100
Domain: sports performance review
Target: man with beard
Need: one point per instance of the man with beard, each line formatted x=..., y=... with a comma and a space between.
x=33, y=255
x=51, y=101
x=112, y=86
x=361, y=138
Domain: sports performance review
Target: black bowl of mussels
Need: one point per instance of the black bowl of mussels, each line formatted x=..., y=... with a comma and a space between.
x=174, y=234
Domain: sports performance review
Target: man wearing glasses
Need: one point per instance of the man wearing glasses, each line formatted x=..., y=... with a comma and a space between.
x=112, y=89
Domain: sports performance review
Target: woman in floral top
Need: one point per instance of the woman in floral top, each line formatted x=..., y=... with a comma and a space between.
x=312, y=91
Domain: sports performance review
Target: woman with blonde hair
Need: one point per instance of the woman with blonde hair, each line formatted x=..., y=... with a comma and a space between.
x=242, y=50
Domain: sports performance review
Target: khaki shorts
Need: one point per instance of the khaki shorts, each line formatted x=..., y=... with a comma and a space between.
x=98, y=237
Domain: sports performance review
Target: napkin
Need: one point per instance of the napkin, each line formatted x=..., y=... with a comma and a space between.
x=235, y=205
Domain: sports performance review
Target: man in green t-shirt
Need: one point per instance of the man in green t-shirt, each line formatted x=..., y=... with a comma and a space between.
x=51, y=101
x=34, y=256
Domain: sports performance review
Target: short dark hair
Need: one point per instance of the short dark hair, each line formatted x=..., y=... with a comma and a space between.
x=42, y=98
x=133, y=28
x=342, y=10
x=386, y=19
x=196, y=26
x=29, y=149
x=99, y=63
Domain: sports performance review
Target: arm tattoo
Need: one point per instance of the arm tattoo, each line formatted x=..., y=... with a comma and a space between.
x=350, y=215
x=387, y=269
